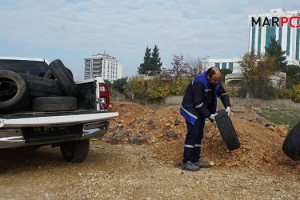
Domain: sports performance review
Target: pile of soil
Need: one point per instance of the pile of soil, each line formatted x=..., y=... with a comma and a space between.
x=163, y=132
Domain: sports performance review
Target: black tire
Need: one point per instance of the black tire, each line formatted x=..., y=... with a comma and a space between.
x=291, y=144
x=75, y=151
x=64, y=78
x=50, y=75
x=227, y=130
x=13, y=91
x=42, y=87
x=45, y=104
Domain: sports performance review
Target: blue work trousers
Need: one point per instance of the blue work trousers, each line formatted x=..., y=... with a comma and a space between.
x=192, y=144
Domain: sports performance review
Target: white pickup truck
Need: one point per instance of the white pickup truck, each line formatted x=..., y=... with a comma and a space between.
x=40, y=104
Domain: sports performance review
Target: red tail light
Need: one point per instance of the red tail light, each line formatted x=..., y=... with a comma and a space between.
x=104, y=95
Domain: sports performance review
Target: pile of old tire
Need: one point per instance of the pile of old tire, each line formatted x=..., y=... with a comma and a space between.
x=55, y=91
x=227, y=130
x=13, y=91
x=291, y=144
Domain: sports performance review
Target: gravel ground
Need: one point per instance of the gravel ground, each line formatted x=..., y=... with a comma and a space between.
x=127, y=171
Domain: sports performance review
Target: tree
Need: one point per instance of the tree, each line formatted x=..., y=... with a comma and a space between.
x=155, y=61
x=256, y=70
x=157, y=89
x=137, y=86
x=224, y=72
x=108, y=83
x=296, y=93
x=178, y=66
x=195, y=66
x=119, y=85
x=179, y=86
x=146, y=65
x=151, y=64
x=292, y=75
x=275, y=50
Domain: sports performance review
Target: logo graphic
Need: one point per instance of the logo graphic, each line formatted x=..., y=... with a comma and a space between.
x=292, y=21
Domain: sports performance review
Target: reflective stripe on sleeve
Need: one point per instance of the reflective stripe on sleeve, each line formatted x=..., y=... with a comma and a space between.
x=197, y=145
x=198, y=106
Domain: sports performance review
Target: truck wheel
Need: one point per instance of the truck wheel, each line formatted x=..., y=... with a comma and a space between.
x=291, y=144
x=75, y=151
x=13, y=90
x=227, y=130
x=64, y=103
x=42, y=87
x=64, y=78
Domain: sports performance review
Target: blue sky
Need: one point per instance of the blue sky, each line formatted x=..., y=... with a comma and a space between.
x=73, y=29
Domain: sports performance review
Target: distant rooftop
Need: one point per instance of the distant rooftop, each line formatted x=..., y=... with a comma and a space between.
x=103, y=55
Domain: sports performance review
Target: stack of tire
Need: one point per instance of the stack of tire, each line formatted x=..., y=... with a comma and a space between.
x=55, y=91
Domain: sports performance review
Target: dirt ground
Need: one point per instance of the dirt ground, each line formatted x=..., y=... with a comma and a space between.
x=138, y=159
x=261, y=141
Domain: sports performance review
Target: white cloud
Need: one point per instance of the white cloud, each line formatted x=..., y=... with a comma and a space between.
x=74, y=29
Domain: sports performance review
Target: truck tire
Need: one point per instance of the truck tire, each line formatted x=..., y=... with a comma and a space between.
x=227, y=130
x=291, y=144
x=64, y=103
x=75, y=151
x=13, y=91
x=50, y=75
x=65, y=80
x=42, y=87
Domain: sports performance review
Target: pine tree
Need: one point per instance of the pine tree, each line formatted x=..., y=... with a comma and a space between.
x=275, y=50
x=155, y=61
x=145, y=66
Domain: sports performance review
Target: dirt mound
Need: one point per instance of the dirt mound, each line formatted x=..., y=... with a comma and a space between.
x=163, y=131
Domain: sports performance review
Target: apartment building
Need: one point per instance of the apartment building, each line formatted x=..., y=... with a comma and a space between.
x=102, y=65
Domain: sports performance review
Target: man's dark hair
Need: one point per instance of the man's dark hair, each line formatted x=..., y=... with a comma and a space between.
x=210, y=72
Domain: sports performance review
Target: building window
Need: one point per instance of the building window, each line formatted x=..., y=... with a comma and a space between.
x=288, y=41
x=224, y=65
x=259, y=41
x=217, y=65
x=270, y=33
x=231, y=66
x=253, y=39
x=280, y=35
x=297, y=44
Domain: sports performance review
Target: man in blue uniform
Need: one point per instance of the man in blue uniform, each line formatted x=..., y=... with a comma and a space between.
x=200, y=102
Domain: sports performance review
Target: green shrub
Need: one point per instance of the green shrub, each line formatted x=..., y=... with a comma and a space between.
x=178, y=87
x=285, y=93
x=296, y=93
x=232, y=91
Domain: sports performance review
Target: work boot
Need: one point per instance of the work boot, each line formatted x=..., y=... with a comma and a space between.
x=202, y=164
x=189, y=166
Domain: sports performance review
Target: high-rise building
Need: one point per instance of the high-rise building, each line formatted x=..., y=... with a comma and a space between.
x=102, y=65
x=264, y=26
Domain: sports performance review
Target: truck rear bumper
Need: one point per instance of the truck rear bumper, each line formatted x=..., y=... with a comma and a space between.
x=15, y=137
x=53, y=119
